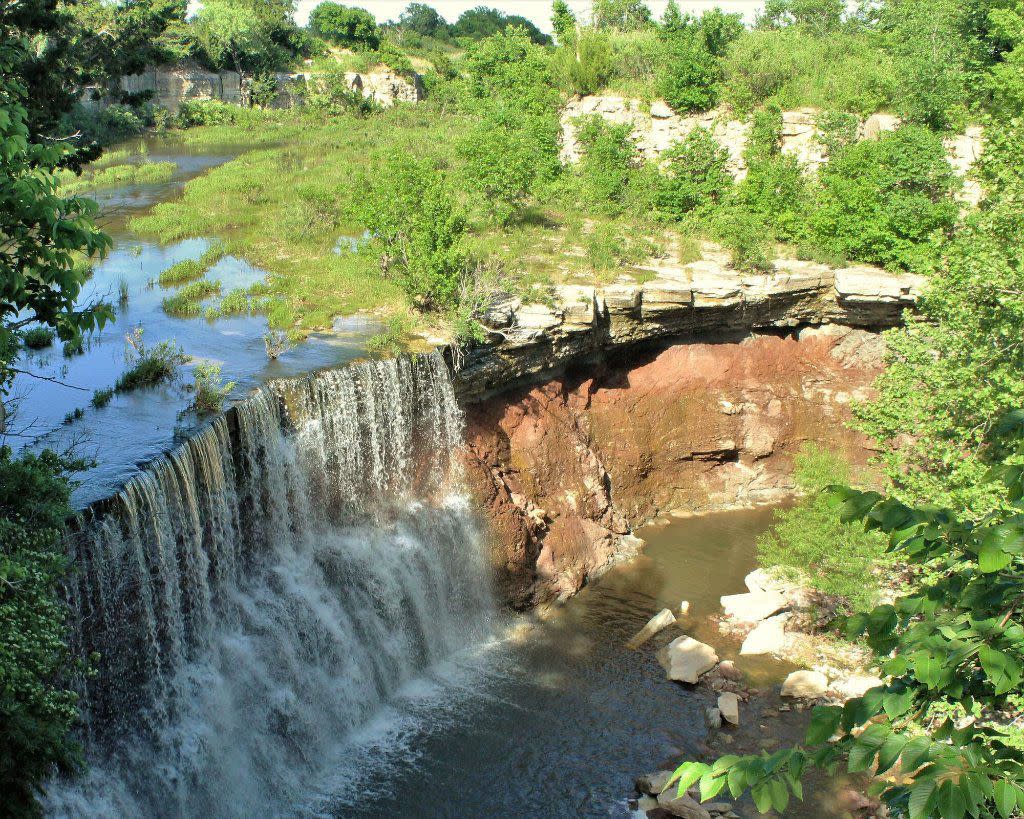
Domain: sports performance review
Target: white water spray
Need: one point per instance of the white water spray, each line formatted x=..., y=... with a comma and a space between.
x=256, y=596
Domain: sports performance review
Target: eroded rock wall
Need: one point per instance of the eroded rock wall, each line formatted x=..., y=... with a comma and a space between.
x=567, y=468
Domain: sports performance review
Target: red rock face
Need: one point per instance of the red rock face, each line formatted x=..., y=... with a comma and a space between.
x=564, y=470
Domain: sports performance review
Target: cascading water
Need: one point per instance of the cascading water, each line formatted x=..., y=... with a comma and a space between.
x=257, y=595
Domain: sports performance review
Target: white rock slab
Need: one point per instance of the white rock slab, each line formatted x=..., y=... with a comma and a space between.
x=768, y=637
x=753, y=607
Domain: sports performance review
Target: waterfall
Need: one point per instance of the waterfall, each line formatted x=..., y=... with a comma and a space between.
x=257, y=595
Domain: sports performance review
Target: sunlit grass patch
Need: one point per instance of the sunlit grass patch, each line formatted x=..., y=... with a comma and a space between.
x=189, y=270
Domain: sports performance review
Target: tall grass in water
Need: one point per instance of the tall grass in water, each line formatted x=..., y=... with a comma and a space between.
x=189, y=270
x=187, y=302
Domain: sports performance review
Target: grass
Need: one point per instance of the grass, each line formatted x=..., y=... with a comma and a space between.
x=282, y=207
x=114, y=175
x=187, y=302
x=100, y=398
x=189, y=270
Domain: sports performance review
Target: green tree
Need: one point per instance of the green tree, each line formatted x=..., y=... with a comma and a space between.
x=43, y=239
x=481, y=22
x=563, y=21
x=352, y=27
x=958, y=364
x=672, y=19
x=624, y=15
x=888, y=201
x=693, y=176
x=232, y=33
x=953, y=648
x=424, y=20
x=584, y=66
x=509, y=66
x=689, y=76
x=410, y=210
x=606, y=168
x=817, y=17
x=1006, y=78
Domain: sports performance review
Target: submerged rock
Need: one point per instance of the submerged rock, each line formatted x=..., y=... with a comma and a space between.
x=684, y=608
x=805, y=685
x=663, y=619
x=728, y=670
x=712, y=717
x=689, y=658
x=729, y=705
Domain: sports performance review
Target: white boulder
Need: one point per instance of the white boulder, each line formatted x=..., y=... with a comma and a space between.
x=729, y=705
x=805, y=685
x=689, y=658
x=684, y=608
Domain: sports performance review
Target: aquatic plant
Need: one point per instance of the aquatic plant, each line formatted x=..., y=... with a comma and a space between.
x=210, y=390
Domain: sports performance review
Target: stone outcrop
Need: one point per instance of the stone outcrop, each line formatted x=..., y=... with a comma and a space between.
x=702, y=299
x=656, y=127
x=172, y=85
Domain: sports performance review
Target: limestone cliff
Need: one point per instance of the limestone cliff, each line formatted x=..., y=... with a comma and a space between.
x=594, y=412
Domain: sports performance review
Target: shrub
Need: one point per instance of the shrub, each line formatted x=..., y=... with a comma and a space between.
x=149, y=365
x=693, y=177
x=809, y=543
x=210, y=390
x=38, y=705
x=585, y=66
x=37, y=338
x=392, y=341
x=689, y=77
x=888, y=201
x=748, y=236
x=793, y=69
x=328, y=92
x=606, y=166
x=187, y=301
x=410, y=210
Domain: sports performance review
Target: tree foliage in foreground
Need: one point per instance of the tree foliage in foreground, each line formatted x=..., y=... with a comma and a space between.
x=952, y=653
x=45, y=238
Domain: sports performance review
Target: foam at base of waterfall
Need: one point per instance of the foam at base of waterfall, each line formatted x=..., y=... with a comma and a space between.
x=255, y=601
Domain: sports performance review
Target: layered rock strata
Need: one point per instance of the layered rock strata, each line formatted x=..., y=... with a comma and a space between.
x=693, y=391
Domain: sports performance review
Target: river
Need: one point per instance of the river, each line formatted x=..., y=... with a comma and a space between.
x=292, y=613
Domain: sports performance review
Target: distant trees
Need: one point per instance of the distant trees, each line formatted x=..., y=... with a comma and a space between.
x=343, y=25
x=474, y=24
x=624, y=15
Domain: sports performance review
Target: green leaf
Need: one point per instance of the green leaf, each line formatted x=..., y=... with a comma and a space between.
x=992, y=559
x=898, y=703
x=687, y=774
x=779, y=795
x=824, y=722
x=710, y=785
x=890, y=751
x=951, y=802
x=916, y=753
x=920, y=796
x=1006, y=798
x=762, y=797
x=1003, y=670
